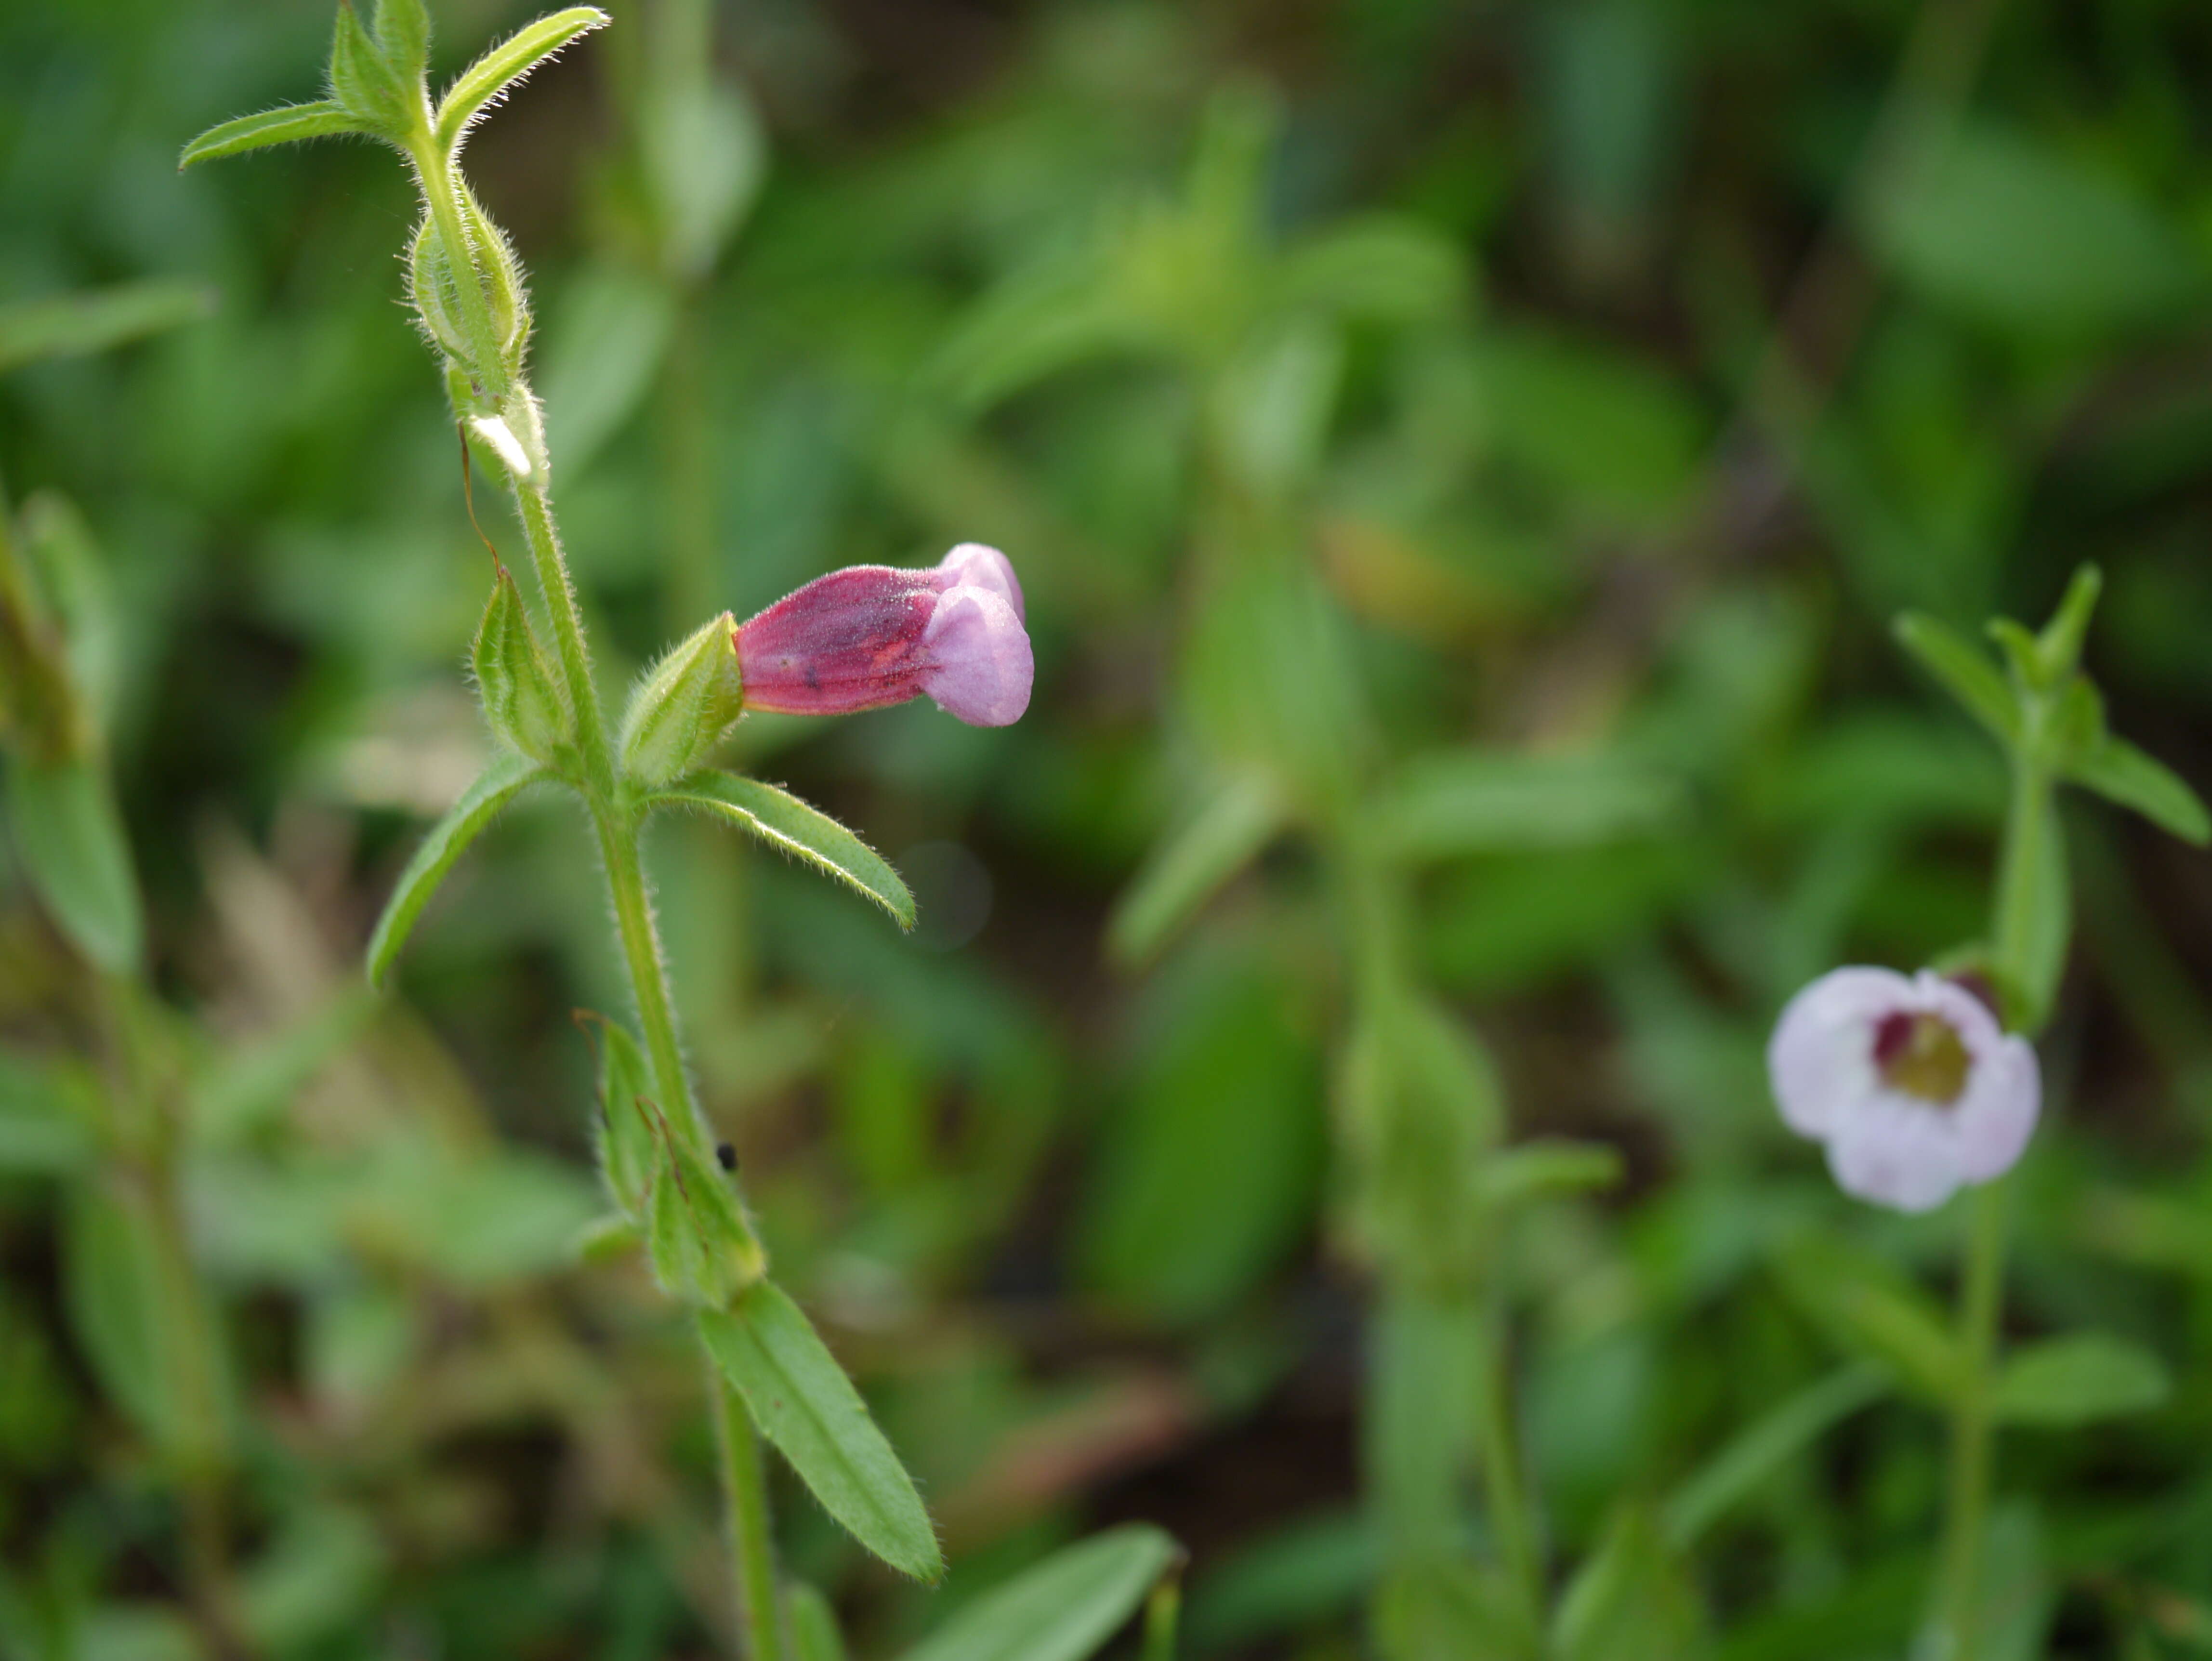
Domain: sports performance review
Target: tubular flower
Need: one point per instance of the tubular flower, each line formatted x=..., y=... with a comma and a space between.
x=1910, y=1082
x=874, y=634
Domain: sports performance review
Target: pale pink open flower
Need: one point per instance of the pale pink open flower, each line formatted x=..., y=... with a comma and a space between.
x=875, y=635
x=1910, y=1082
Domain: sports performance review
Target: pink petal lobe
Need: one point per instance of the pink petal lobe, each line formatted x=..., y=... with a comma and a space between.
x=979, y=664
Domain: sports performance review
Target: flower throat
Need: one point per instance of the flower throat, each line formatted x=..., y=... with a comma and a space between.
x=1921, y=1054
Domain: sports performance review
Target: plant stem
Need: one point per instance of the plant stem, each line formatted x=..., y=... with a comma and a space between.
x=1981, y=1297
x=616, y=821
x=641, y=946
x=760, y=1611
x=1374, y=911
x=185, y=1323
x=1504, y=1492
x=2020, y=862
x=534, y=502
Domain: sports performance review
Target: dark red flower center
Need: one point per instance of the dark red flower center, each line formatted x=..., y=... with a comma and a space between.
x=1922, y=1055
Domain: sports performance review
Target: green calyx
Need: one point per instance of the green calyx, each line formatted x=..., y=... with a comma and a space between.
x=684, y=705
x=702, y=1250
x=523, y=703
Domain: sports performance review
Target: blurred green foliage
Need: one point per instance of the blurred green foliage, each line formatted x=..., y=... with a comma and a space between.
x=1605, y=373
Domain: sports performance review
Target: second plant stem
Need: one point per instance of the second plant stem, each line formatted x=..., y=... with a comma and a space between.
x=2018, y=930
x=616, y=821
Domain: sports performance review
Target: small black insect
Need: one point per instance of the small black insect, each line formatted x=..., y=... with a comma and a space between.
x=728, y=1155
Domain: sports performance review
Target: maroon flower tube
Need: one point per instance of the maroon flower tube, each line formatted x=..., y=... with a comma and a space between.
x=874, y=634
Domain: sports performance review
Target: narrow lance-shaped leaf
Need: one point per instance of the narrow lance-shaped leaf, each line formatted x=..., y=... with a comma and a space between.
x=1192, y=864
x=74, y=850
x=2078, y=1378
x=1552, y=1168
x=1867, y=1307
x=68, y=325
x=804, y=1403
x=781, y=820
x=507, y=63
x=288, y=123
x=144, y=1323
x=47, y=1124
x=1963, y=671
x=500, y=784
x=1632, y=1599
x=2058, y=647
x=1469, y=802
x=2119, y=772
x=1065, y=1608
x=1736, y=1472
x=814, y=1634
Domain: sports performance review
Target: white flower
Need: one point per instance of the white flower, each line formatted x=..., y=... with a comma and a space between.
x=1910, y=1082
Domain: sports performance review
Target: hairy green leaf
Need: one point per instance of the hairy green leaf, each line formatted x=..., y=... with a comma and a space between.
x=804, y=1403
x=501, y=782
x=369, y=89
x=1065, y=1608
x=497, y=71
x=781, y=820
x=288, y=123
x=403, y=32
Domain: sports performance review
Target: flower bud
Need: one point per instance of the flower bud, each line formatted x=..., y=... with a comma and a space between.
x=870, y=636
x=432, y=291
x=684, y=706
x=523, y=703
